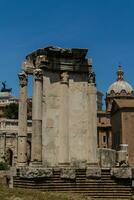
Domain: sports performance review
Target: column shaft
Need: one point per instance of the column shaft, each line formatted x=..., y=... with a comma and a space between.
x=36, y=156
x=63, y=126
x=22, y=132
x=92, y=125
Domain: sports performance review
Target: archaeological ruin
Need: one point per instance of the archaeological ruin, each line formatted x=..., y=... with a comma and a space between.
x=70, y=144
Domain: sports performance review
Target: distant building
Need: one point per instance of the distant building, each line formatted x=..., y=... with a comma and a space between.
x=123, y=127
x=120, y=89
x=9, y=128
x=6, y=98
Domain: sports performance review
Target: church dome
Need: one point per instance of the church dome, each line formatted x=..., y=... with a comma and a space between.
x=120, y=85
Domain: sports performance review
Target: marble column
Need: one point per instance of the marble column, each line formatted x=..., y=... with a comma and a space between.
x=92, y=123
x=63, y=126
x=22, y=131
x=36, y=154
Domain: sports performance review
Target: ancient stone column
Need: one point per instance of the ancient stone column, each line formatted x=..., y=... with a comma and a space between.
x=92, y=121
x=36, y=154
x=63, y=126
x=22, y=131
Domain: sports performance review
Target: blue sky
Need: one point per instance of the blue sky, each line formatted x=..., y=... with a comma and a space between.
x=105, y=27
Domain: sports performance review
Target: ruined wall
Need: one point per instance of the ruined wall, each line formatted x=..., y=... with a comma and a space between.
x=68, y=107
x=50, y=120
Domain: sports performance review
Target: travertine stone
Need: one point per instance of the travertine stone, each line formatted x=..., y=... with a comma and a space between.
x=36, y=155
x=107, y=157
x=122, y=172
x=122, y=158
x=50, y=120
x=32, y=172
x=22, y=132
x=64, y=120
x=69, y=132
x=92, y=121
x=78, y=118
x=79, y=164
x=93, y=172
x=68, y=173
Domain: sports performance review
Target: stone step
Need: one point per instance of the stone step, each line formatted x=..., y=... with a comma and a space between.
x=84, y=182
x=74, y=183
x=103, y=188
x=82, y=190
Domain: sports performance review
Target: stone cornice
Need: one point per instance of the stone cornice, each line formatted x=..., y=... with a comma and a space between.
x=58, y=59
x=57, y=52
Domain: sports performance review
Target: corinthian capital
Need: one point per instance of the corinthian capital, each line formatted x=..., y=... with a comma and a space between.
x=23, y=79
x=92, y=78
x=64, y=77
x=38, y=74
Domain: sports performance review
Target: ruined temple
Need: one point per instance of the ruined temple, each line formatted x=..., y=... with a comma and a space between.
x=63, y=111
x=57, y=150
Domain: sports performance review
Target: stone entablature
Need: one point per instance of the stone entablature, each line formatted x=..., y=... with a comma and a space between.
x=57, y=59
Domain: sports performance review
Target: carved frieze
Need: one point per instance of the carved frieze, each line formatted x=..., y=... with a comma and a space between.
x=23, y=79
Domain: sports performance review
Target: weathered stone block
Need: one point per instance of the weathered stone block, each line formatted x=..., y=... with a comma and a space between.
x=93, y=172
x=31, y=172
x=122, y=157
x=122, y=172
x=107, y=157
x=68, y=173
x=79, y=164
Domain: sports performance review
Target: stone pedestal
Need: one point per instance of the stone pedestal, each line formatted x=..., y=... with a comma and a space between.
x=22, y=132
x=36, y=154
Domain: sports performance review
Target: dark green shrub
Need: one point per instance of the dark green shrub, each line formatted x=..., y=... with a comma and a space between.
x=11, y=111
x=4, y=166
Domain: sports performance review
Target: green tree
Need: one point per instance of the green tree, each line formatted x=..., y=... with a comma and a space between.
x=11, y=111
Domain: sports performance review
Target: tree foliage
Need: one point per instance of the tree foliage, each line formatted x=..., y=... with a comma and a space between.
x=4, y=166
x=11, y=111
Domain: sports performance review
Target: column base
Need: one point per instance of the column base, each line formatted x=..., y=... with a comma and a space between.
x=65, y=164
x=35, y=164
x=22, y=164
x=93, y=164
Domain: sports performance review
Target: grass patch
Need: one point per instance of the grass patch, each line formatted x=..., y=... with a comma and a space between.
x=25, y=194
